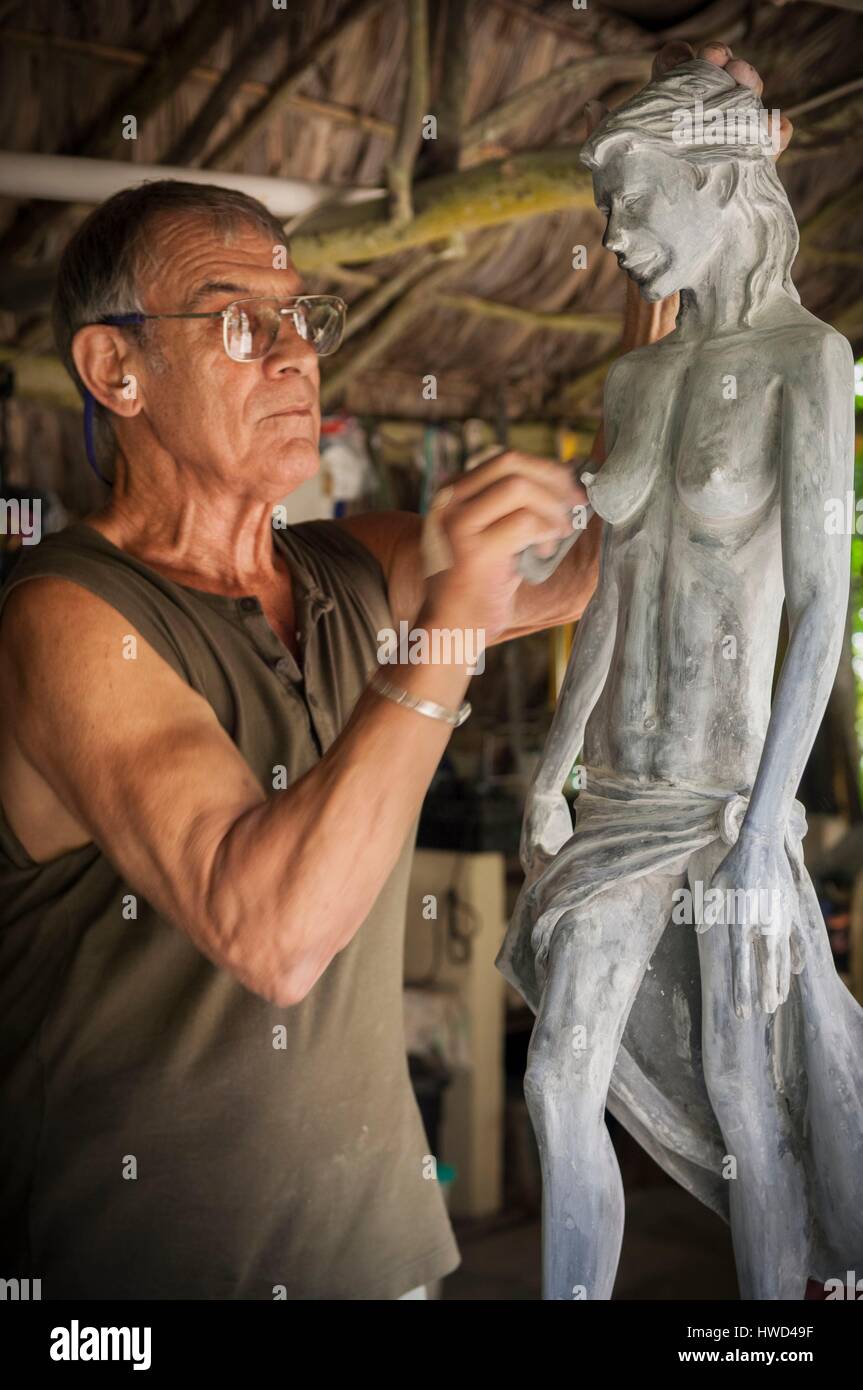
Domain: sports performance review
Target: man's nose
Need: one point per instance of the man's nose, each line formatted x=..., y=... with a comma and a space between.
x=291, y=352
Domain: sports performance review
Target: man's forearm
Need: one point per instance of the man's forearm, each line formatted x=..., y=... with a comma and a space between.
x=296, y=876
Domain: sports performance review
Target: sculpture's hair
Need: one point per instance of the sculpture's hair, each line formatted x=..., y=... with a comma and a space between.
x=650, y=119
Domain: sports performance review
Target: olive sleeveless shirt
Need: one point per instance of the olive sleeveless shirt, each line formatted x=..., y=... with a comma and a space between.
x=165, y=1133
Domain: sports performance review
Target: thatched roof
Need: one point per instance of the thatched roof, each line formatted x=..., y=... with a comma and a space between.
x=499, y=200
x=317, y=91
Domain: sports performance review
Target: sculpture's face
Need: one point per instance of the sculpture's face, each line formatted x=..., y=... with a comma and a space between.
x=662, y=228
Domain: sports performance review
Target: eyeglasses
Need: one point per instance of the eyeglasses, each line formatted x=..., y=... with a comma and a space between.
x=249, y=329
x=251, y=326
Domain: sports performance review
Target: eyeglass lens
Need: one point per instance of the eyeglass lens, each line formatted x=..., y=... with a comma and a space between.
x=252, y=325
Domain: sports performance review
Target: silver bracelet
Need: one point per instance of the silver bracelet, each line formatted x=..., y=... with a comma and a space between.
x=455, y=717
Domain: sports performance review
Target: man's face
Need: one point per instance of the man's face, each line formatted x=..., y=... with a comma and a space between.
x=661, y=226
x=250, y=427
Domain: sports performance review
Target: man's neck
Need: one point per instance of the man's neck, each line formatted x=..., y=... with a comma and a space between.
x=224, y=545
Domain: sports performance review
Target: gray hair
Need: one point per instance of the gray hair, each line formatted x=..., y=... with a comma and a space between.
x=103, y=263
x=648, y=120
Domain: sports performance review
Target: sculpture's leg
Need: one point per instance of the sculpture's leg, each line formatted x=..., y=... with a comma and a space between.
x=596, y=962
x=767, y=1187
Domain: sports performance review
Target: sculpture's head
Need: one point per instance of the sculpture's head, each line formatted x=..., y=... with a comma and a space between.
x=685, y=170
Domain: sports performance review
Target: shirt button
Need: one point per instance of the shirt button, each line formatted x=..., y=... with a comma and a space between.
x=650, y=722
x=284, y=667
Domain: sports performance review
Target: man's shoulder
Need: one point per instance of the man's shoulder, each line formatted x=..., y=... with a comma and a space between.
x=35, y=604
x=75, y=586
x=364, y=553
x=372, y=534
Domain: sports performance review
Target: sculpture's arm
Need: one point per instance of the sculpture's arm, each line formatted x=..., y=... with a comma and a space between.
x=817, y=468
x=547, y=821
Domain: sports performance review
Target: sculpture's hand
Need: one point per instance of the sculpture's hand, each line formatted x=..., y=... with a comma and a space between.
x=546, y=826
x=760, y=912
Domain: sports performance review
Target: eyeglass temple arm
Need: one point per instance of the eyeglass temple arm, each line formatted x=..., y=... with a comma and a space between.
x=120, y=320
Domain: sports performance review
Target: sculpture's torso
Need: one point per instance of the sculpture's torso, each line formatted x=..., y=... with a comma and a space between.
x=691, y=489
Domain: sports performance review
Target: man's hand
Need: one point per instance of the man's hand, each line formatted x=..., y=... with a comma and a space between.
x=458, y=565
x=479, y=525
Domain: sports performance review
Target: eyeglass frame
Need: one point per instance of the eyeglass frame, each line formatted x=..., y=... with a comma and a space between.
x=138, y=317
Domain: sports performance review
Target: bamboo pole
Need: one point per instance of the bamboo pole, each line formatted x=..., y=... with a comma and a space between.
x=387, y=290
x=383, y=334
x=400, y=166
x=824, y=98
x=443, y=155
x=574, y=76
x=488, y=195
x=361, y=279
x=599, y=324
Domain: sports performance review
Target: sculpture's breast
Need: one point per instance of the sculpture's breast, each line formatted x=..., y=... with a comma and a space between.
x=641, y=402
x=620, y=490
x=727, y=458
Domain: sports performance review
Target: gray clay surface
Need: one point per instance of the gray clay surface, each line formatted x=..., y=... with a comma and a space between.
x=732, y=1050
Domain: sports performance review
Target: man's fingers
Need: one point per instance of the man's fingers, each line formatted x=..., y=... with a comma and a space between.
x=786, y=130
x=744, y=75
x=715, y=51
x=535, y=495
x=509, y=494
x=555, y=477
x=514, y=532
x=678, y=51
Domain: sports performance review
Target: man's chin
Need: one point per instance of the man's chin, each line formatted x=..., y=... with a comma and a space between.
x=299, y=460
x=286, y=469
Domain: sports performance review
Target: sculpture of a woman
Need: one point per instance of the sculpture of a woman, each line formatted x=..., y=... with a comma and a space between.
x=723, y=1040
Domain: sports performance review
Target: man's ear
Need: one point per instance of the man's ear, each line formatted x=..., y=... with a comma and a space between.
x=102, y=357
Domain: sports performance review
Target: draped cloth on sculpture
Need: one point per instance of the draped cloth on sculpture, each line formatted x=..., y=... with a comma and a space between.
x=812, y=1048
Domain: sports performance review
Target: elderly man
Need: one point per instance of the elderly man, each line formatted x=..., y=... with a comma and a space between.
x=208, y=807
x=208, y=812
